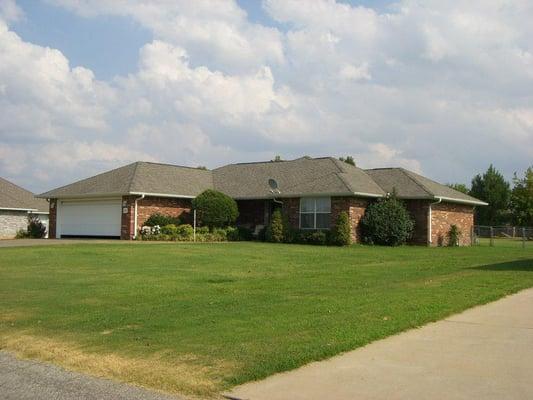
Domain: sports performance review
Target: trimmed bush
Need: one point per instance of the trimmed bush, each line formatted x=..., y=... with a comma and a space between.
x=312, y=237
x=185, y=232
x=22, y=234
x=289, y=234
x=243, y=234
x=161, y=220
x=386, y=222
x=454, y=235
x=341, y=232
x=170, y=229
x=214, y=209
x=274, y=231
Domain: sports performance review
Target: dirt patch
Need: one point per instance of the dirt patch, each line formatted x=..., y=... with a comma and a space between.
x=183, y=375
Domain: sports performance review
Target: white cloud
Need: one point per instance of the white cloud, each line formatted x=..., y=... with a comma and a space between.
x=442, y=88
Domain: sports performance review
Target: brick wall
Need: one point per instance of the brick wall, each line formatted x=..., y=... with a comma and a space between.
x=291, y=208
x=251, y=212
x=52, y=219
x=443, y=215
x=148, y=206
x=355, y=207
x=11, y=221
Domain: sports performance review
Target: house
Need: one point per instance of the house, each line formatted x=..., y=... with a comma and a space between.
x=16, y=204
x=312, y=193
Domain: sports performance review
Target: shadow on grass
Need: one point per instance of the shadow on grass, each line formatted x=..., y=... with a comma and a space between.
x=517, y=265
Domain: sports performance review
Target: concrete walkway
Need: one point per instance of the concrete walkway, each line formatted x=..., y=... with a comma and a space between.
x=483, y=353
x=31, y=380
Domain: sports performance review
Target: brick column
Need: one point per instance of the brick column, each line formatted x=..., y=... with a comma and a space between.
x=127, y=229
x=52, y=219
x=355, y=207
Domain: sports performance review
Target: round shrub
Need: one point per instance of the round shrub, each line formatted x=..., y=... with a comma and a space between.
x=341, y=232
x=170, y=230
x=215, y=209
x=184, y=232
x=161, y=220
x=386, y=222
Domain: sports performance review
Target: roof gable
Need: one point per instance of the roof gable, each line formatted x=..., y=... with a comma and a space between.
x=15, y=197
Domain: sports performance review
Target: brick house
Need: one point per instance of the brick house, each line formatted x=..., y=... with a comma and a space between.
x=16, y=204
x=312, y=193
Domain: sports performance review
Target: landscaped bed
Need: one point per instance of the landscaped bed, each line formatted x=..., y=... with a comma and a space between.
x=199, y=318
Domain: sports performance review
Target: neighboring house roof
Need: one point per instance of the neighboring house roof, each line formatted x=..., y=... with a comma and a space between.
x=409, y=185
x=301, y=177
x=13, y=197
x=139, y=178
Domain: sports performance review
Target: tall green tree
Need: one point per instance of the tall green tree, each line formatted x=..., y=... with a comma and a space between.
x=495, y=190
x=460, y=187
x=522, y=199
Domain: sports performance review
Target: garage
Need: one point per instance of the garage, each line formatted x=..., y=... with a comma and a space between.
x=94, y=218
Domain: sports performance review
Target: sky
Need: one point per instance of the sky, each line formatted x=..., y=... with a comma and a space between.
x=443, y=88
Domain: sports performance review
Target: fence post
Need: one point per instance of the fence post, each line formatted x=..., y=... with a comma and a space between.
x=491, y=236
x=472, y=238
x=194, y=226
x=523, y=238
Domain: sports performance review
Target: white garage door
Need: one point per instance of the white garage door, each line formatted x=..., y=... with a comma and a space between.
x=89, y=218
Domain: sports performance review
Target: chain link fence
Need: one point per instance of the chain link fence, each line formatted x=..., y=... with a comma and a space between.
x=511, y=236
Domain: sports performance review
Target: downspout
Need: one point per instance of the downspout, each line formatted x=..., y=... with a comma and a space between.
x=135, y=216
x=430, y=233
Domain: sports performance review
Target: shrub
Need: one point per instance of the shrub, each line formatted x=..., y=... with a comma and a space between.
x=288, y=232
x=215, y=209
x=232, y=234
x=219, y=235
x=203, y=230
x=341, y=232
x=274, y=231
x=312, y=237
x=243, y=234
x=161, y=220
x=170, y=230
x=454, y=235
x=386, y=222
x=22, y=234
x=184, y=232
x=36, y=228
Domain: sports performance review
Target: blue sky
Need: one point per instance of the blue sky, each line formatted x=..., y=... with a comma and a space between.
x=436, y=87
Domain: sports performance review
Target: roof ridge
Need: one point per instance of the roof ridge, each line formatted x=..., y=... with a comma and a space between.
x=171, y=165
x=424, y=188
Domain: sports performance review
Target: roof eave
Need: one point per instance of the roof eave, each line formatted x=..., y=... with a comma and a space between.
x=461, y=201
x=18, y=209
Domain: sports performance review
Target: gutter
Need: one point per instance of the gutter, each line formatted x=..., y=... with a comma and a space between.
x=29, y=210
x=439, y=200
x=135, y=215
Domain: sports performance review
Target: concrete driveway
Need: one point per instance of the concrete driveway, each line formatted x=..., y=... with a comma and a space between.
x=483, y=353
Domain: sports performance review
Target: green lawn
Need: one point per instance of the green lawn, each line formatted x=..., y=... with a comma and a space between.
x=200, y=318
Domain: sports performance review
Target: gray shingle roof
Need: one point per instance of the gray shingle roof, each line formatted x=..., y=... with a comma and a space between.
x=308, y=176
x=139, y=177
x=301, y=177
x=13, y=196
x=410, y=185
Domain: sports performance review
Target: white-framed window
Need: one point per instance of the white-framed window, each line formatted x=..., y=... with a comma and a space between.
x=315, y=212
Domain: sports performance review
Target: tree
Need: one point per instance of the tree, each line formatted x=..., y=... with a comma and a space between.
x=387, y=222
x=214, y=209
x=492, y=188
x=460, y=187
x=522, y=199
x=348, y=160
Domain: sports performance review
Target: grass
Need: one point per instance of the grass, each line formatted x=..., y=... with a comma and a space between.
x=198, y=319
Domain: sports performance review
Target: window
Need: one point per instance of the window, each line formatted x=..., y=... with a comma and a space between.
x=315, y=212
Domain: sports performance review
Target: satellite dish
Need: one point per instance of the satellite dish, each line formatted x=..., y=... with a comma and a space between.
x=273, y=184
